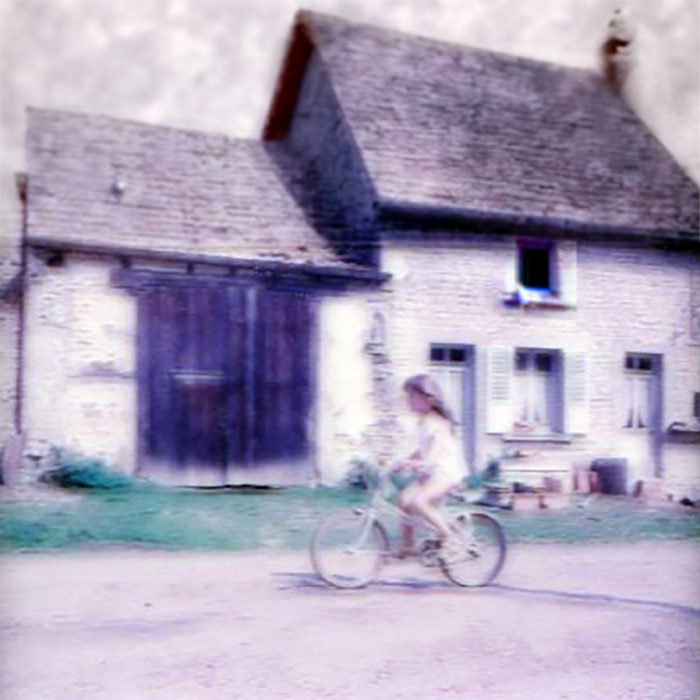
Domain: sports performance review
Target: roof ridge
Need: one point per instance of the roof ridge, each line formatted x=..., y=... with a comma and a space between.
x=439, y=124
x=136, y=122
x=309, y=17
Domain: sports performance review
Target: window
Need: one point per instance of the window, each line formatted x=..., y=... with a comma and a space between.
x=534, y=271
x=535, y=280
x=450, y=362
x=453, y=369
x=537, y=393
x=536, y=268
x=639, y=373
x=442, y=353
x=537, y=387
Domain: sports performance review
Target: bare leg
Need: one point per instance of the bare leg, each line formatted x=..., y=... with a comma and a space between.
x=406, y=499
x=407, y=539
x=426, y=505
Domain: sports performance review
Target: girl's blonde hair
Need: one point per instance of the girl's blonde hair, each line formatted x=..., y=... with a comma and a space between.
x=428, y=388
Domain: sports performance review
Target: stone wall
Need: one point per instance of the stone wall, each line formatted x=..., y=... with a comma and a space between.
x=356, y=407
x=80, y=380
x=320, y=162
x=627, y=299
x=80, y=371
x=10, y=300
x=80, y=387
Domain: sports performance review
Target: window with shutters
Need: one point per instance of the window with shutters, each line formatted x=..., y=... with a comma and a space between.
x=543, y=275
x=537, y=393
x=537, y=384
x=536, y=266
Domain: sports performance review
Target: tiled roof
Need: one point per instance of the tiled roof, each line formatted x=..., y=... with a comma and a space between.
x=184, y=191
x=442, y=126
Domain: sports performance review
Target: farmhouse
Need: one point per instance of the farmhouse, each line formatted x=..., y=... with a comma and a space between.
x=208, y=310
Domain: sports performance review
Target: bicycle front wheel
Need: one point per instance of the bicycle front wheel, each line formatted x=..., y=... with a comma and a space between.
x=349, y=548
x=481, y=554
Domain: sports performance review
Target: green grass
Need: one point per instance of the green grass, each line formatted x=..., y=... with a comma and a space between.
x=608, y=519
x=163, y=517
x=282, y=519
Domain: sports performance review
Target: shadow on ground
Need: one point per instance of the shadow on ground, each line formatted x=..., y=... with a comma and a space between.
x=309, y=581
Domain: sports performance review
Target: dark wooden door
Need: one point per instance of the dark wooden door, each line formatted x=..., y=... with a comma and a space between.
x=224, y=379
x=282, y=377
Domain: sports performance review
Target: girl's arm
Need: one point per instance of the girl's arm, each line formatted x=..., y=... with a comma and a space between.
x=419, y=457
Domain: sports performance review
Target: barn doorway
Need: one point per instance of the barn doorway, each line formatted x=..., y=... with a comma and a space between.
x=225, y=383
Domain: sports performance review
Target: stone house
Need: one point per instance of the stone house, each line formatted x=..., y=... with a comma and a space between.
x=210, y=310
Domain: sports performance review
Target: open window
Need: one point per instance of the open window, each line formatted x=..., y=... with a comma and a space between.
x=536, y=268
x=538, y=279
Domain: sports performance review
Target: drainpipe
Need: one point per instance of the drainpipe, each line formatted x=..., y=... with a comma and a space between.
x=19, y=402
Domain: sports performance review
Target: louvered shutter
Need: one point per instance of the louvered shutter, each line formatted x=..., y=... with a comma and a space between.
x=499, y=395
x=567, y=274
x=576, y=392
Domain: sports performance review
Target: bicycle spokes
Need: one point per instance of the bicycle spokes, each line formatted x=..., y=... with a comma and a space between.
x=478, y=560
x=348, y=549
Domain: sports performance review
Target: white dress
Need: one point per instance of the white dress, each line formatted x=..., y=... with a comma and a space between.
x=439, y=448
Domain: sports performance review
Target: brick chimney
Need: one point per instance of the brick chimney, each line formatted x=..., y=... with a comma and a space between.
x=616, y=51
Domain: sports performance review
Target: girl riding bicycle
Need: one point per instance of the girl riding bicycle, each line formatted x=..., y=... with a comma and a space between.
x=436, y=462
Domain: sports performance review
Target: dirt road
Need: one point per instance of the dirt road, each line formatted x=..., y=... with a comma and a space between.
x=565, y=623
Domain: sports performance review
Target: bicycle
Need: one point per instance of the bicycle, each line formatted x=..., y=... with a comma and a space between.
x=349, y=548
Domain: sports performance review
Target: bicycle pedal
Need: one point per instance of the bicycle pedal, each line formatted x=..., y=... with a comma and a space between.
x=404, y=556
x=453, y=558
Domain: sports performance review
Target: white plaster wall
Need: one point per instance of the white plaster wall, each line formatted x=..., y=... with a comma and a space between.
x=80, y=362
x=80, y=376
x=80, y=386
x=345, y=409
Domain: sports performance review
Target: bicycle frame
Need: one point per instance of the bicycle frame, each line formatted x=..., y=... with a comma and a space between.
x=381, y=505
x=370, y=544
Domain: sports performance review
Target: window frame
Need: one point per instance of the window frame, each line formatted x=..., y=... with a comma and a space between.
x=530, y=296
x=633, y=372
x=527, y=246
x=466, y=412
x=554, y=408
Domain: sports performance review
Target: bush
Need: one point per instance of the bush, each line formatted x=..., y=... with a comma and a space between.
x=75, y=472
x=489, y=476
x=362, y=476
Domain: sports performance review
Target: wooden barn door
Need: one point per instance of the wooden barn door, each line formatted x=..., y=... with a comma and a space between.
x=224, y=381
x=282, y=384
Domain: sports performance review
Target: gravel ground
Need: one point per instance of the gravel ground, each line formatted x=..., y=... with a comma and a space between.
x=564, y=622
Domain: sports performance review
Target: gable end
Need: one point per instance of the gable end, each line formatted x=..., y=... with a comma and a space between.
x=288, y=84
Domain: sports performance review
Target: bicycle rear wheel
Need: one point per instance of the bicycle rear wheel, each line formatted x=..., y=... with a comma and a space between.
x=348, y=549
x=483, y=554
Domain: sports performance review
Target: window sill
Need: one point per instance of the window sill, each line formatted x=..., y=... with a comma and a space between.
x=562, y=438
x=682, y=432
x=534, y=299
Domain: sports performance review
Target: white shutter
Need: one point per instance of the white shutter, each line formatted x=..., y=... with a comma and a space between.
x=511, y=276
x=576, y=392
x=451, y=381
x=567, y=273
x=499, y=390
